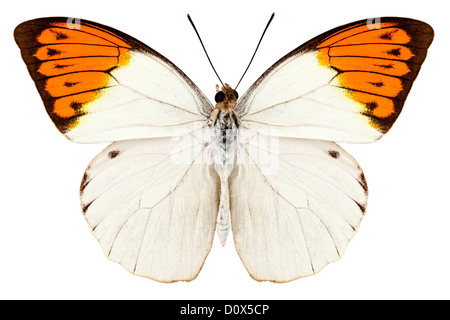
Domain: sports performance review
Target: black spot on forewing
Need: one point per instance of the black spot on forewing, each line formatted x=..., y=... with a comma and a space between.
x=371, y=105
x=76, y=105
x=62, y=66
x=114, y=153
x=61, y=36
x=52, y=52
x=385, y=66
x=334, y=154
x=394, y=52
x=70, y=84
x=377, y=84
x=386, y=36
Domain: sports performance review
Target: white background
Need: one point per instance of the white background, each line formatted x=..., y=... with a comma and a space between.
x=402, y=248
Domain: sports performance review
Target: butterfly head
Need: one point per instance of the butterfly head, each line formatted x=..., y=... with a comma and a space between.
x=225, y=98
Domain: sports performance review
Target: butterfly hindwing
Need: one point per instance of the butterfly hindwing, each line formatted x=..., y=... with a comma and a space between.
x=348, y=84
x=152, y=204
x=310, y=200
x=99, y=84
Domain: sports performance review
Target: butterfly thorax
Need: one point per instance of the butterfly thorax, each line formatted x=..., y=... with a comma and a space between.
x=224, y=141
x=225, y=123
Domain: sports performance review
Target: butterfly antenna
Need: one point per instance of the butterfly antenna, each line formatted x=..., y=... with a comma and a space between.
x=268, y=23
x=201, y=42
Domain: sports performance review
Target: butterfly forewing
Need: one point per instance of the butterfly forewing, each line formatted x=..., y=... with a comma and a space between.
x=348, y=84
x=99, y=84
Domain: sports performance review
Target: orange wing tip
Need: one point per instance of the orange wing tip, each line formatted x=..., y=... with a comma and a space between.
x=71, y=61
x=375, y=62
x=380, y=30
x=62, y=30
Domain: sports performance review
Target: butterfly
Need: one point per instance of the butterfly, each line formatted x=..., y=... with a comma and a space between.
x=265, y=165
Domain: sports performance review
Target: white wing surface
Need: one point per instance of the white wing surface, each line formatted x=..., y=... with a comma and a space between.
x=152, y=205
x=310, y=198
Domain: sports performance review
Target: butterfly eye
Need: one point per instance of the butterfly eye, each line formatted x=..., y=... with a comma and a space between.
x=220, y=96
x=235, y=94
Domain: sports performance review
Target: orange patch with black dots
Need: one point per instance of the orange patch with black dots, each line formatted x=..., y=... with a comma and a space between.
x=376, y=63
x=64, y=51
x=377, y=106
x=55, y=68
x=70, y=106
x=73, y=83
x=385, y=51
x=71, y=63
x=373, y=83
x=392, y=68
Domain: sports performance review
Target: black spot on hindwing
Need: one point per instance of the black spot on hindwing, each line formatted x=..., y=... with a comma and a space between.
x=114, y=153
x=362, y=181
x=334, y=154
x=84, y=182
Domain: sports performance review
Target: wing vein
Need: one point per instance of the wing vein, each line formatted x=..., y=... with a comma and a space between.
x=287, y=101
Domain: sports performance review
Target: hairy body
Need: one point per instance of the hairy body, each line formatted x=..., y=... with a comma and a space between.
x=226, y=124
